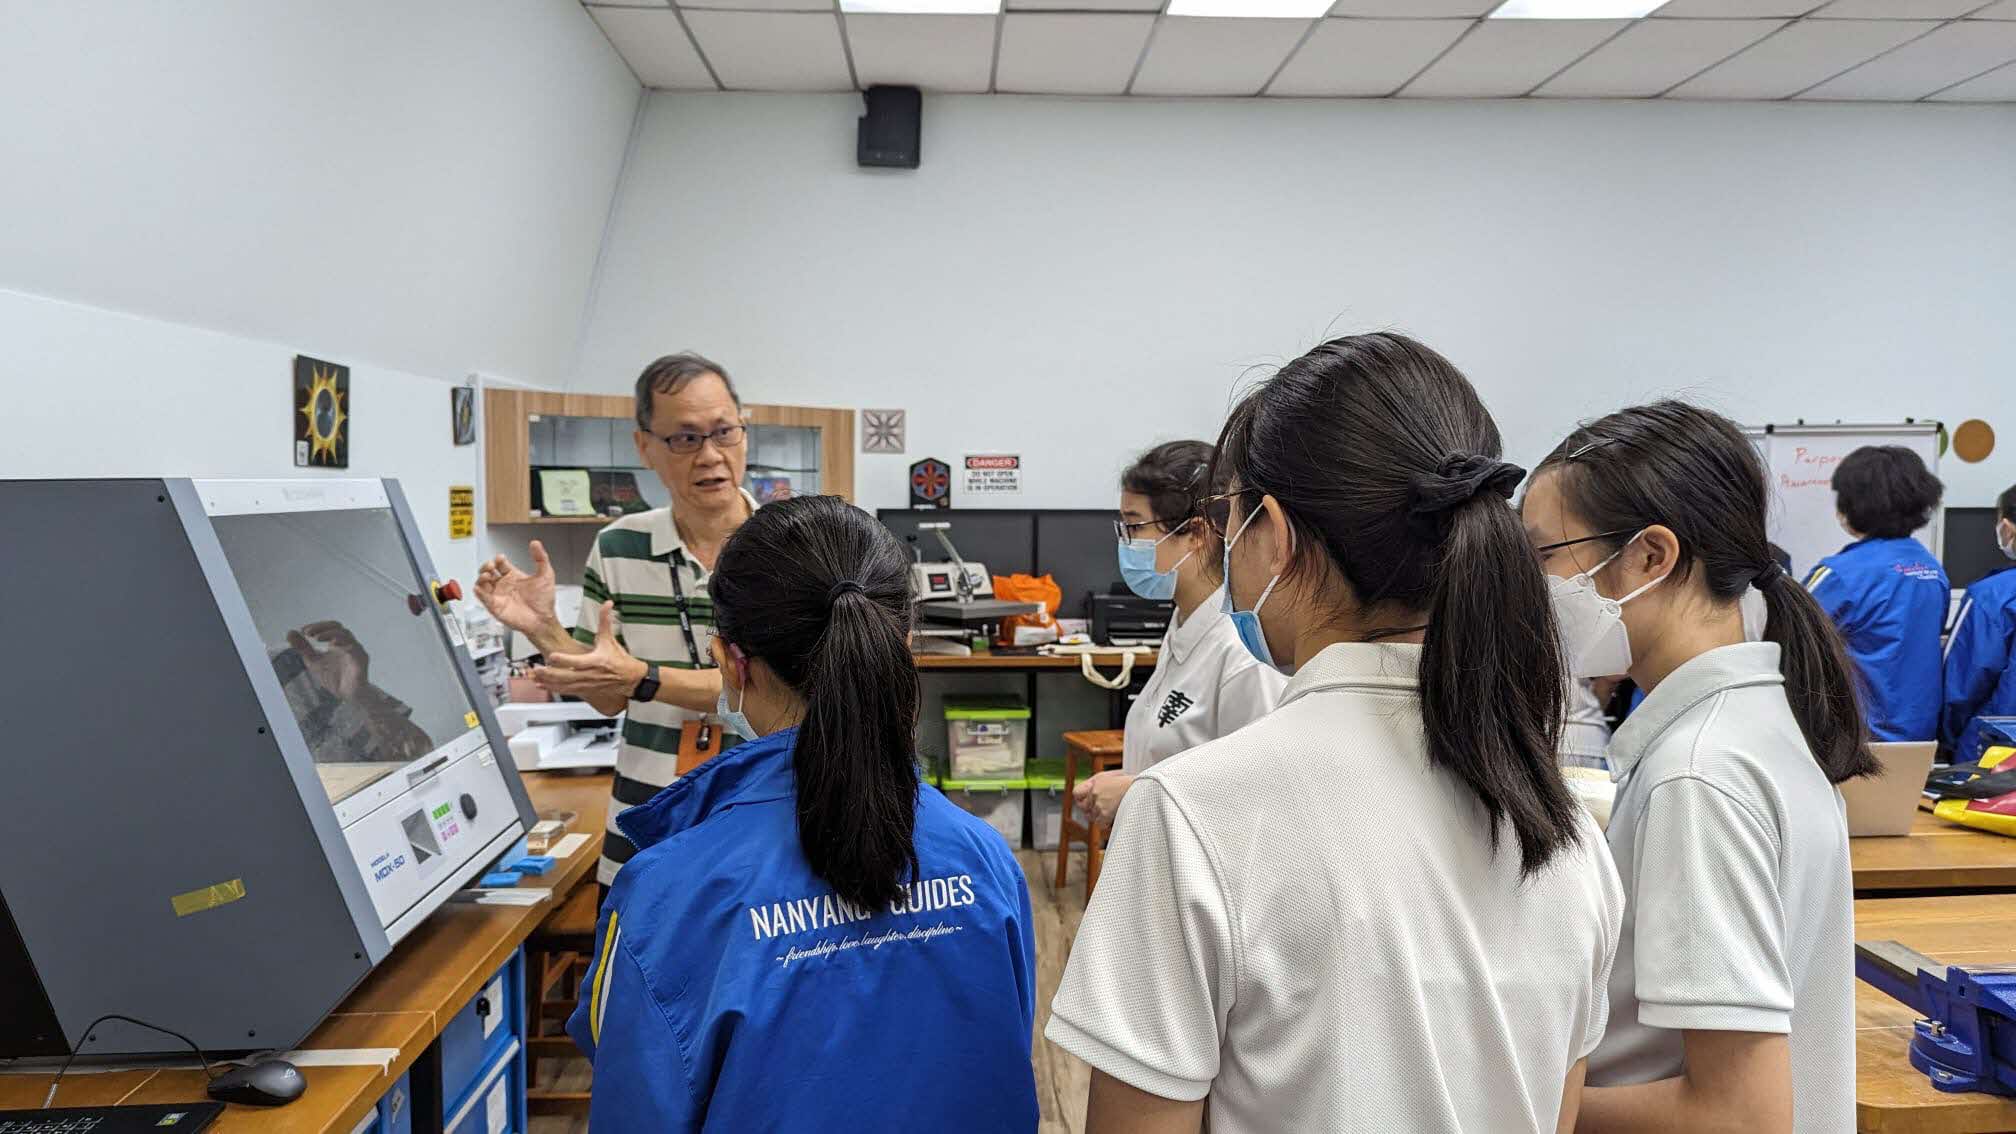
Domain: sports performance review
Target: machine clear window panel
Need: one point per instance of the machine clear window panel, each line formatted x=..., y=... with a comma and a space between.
x=351, y=634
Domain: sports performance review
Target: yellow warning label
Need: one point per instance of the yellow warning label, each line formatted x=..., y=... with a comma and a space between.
x=209, y=897
x=461, y=511
x=469, y=719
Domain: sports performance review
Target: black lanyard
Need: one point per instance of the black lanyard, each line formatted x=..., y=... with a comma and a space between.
x=703, y=661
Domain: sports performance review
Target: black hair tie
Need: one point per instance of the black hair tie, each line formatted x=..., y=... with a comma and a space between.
x=841, y=588
x=1458, y=480
x=1767, y=576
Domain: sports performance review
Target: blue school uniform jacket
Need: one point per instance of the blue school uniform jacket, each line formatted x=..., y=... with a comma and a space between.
x=1980, y=681
x=731, y=990
x=1889, y=597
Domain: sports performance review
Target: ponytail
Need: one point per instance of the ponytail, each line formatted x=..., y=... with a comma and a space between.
x=1382, y=455
x=820, y=592
x=855, y=762
x=1820, y=680
x=1492, y=714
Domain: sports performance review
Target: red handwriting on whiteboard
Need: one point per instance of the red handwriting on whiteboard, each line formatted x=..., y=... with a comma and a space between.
x=1801, y=455
x=1787, y=480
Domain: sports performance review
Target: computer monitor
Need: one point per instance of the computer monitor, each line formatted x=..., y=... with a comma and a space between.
x=253, y=737
x=1971, y=554
x=1076, y=547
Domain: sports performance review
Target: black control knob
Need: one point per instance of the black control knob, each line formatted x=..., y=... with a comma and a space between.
x=469, y=807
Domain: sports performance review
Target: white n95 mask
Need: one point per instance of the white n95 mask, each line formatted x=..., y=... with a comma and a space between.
x=1594, y=642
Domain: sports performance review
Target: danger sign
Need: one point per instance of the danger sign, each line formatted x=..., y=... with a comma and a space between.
x=992, y=474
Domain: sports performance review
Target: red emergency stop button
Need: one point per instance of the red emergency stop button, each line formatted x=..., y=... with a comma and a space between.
x=448, y=591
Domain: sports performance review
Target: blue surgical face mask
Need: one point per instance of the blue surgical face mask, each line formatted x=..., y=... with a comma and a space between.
x=737, y=723
x=1247, y=622
x=1137, y=568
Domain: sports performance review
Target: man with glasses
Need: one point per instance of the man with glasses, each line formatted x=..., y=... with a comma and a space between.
x=641, y=642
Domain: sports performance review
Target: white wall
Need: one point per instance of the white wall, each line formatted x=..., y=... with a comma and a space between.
x=1076, y=280
x=420, y=184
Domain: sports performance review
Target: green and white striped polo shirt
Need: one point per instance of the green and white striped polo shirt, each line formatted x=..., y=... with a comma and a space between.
x=632, y=563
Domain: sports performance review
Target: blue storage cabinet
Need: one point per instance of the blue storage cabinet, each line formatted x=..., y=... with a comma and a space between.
x=394, y=1112
x=483, y=1058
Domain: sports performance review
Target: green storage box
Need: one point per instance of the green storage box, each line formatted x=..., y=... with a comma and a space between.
x=986, y=737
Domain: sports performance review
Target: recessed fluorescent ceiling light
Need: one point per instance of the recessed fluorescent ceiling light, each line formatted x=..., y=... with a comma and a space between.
x=927, y=7
x=1575, y=9
x=1275, y=9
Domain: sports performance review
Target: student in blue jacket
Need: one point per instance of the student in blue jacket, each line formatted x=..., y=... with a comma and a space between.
x=807, y=939
x=1980, y=679
x=1886, y=591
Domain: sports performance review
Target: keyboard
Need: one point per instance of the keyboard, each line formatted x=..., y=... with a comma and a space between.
x=171, y=1118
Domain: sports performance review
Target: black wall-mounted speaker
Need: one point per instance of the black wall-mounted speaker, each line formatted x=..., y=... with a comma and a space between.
x=889, y=133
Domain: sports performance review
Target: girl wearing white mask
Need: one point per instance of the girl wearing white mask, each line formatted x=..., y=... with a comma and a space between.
x=1733, y=997
x=1377, y=907
x=1205, y=684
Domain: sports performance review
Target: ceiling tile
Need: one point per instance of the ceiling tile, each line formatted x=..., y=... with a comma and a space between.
x=1735, y=9
x=1998, y=85
x=1654, y=55
x=2006, y=10
x=1952, y=54
x=655, y=46
x=1046, y=53
x=1808, y=52
x=661, y=5
x=758, y=5
x=1896, y=9
x=772, y=51
x=1413, y=9
x=1195, y=55
x=1365, y=58
x=937, y=53
x=1507, y=58
x=1085, y=5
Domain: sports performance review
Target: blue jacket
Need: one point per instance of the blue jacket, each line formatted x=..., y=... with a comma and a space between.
x=1980, y=681
x=732, y=991
x=1889, y=596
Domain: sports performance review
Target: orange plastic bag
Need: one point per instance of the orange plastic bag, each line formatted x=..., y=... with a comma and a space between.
x=1029, y=588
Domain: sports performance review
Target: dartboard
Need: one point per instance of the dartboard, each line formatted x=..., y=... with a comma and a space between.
x=930, y=480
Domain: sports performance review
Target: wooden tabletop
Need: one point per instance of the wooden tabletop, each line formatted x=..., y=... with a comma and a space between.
x=1936, y=855
x=1107, y=663
x=432, y=974
x=1891, y=1095
x=1097, y=742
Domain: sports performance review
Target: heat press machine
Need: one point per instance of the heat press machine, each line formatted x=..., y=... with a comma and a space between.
x=252, y=756
x=1965, y=1039
x=955, y=599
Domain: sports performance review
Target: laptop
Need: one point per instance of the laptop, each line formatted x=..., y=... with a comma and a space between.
x=156, y=1118
x=1884, y=804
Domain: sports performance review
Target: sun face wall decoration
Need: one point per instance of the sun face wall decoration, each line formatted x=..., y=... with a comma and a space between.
x=321, y=413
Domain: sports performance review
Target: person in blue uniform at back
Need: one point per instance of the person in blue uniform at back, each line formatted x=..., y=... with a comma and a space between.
x=1886, y=590
x=1980, y=679
x=807, y=939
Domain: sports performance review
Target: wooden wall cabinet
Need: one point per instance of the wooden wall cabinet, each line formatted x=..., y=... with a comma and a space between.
x=803, y=449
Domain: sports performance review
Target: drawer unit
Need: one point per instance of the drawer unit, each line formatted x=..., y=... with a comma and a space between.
x=394, y=1112
x=495, y=1103
x=489, y=1023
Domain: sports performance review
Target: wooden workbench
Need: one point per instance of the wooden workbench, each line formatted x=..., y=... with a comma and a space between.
x=1936, y=855
x=1107, y=663
x=432, y=974
x=1891, y=1095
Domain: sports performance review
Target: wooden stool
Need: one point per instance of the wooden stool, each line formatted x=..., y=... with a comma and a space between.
x=1100, y=752
x=557, y=955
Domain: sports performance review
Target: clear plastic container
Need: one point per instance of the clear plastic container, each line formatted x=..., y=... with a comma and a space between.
x=986, y=738
x=998, y=802
x=1046, y=803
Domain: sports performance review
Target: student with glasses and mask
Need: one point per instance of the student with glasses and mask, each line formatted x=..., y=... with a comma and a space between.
x=1732, y=1002
x=1378, y=907
x=640, y=644
x=1205, y=684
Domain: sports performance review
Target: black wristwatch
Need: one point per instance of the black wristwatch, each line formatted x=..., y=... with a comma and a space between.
x=647, y=686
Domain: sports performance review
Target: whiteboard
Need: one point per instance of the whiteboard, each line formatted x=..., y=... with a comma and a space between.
x=1799, y=461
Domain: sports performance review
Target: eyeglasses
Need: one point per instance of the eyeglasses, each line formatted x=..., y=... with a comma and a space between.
x=687, y=441
x=1217, y=510
x=1545, y=548
x=1124, y=530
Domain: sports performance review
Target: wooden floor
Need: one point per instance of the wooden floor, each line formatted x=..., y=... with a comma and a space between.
x=1061, y=1079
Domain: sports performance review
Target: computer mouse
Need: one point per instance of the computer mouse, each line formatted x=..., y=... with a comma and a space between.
x=269, y=1082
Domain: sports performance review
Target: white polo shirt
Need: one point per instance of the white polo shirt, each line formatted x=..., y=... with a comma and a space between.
x=1734, y=851
x=1305, y=921
x=1205, y=685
